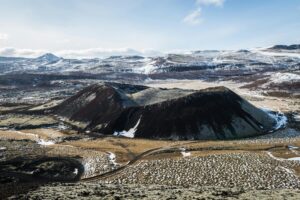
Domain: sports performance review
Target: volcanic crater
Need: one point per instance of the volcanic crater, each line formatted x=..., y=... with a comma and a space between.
x=157, y=113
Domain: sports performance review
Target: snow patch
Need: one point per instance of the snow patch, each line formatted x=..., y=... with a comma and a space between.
x=37, y=138
x=112, y=158
x=2, y=148
x=45, y=143
x=75, y=171
x=148, y=68
x=282, y=54
x=280, y=118
x=89, y=166
x=62, y=126
x=297, y=118
x=91, y=97
x=184, y=153
x=284, y=77
x=295, y=159
x=130, y=133
x=292, y=147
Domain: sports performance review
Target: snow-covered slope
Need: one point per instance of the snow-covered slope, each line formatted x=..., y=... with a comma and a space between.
x=48, y=58
x=198, y=60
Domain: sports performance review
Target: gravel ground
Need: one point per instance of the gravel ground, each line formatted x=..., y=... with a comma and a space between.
x=287, y=135
x=94, y=162
x=116, y=191
x=247, y=170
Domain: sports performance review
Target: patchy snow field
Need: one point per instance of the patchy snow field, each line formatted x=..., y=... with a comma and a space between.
x=280, y=118
x=45, y=143
x=284, y=77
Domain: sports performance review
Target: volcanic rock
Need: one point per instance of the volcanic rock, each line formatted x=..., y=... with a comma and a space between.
x=143, y=112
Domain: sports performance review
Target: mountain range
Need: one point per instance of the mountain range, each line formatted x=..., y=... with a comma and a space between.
x=277, y=57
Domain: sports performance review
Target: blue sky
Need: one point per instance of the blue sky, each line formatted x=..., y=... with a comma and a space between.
x=75, y=27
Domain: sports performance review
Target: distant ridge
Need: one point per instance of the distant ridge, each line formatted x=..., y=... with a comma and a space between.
x=48, y=57
x=286, y=47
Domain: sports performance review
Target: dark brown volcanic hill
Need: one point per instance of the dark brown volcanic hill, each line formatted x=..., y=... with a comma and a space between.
x=139, y=111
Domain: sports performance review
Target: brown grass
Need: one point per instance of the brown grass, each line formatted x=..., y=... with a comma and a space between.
x=284, y=153
x=16, y=135
x=31, y=134
x=125, y=149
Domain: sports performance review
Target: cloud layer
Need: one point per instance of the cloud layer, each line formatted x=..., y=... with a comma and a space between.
x=13, y=52
x=3, y=36
x=84, y=53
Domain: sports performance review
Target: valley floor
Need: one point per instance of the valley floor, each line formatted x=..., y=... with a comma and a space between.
x=256, y=166
x=98, y=167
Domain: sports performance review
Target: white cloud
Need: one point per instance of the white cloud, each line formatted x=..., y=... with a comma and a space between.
x=13, y=52
x=210, y=2
x=3, y=36
x=83, y=53
x=194, y=17
x=101, y=52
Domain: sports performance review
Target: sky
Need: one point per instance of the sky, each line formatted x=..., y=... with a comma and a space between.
x=96, y=28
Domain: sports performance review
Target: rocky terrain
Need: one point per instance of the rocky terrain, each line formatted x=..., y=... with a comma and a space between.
x=247, y=61
x=271, y=71
x=100, y=128
x=121, y=191
x=243, y=169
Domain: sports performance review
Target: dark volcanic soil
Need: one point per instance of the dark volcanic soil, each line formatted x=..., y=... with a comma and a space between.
x=120, y=109
x=19, y=175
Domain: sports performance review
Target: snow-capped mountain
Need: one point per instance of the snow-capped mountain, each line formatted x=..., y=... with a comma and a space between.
x=275, y=73
x=277, y=57
x=48, y=58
